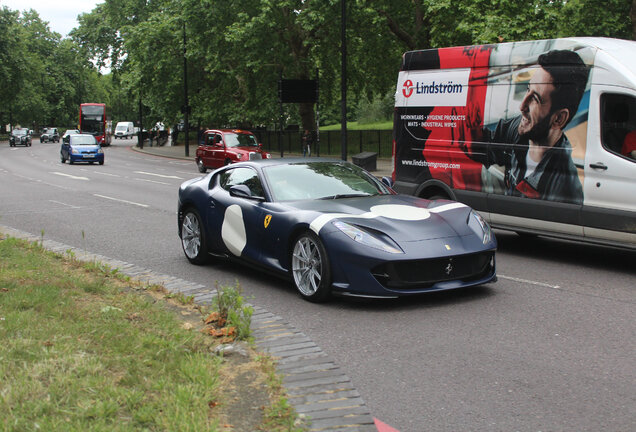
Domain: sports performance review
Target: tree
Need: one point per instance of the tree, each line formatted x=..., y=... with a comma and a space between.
x=11, y=65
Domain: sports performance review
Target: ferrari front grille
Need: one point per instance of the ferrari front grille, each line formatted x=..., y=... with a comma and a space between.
x=421, y=274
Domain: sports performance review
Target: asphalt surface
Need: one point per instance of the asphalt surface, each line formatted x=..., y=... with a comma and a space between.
x=548, y=347
x=383, y=165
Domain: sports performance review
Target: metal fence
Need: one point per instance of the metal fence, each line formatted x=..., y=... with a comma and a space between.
x=329, y=142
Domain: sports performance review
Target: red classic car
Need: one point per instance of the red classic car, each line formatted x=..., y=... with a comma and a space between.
x=225, y=146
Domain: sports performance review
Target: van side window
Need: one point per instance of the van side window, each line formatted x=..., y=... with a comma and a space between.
x=618, y=113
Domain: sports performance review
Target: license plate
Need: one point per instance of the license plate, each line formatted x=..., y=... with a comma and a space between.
x=89, y=156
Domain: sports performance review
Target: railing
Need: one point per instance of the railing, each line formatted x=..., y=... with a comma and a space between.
x=358, y=141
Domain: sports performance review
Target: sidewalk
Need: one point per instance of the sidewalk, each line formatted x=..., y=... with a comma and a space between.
x=383, y=165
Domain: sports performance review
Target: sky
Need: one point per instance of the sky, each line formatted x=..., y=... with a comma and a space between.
x=60, y=14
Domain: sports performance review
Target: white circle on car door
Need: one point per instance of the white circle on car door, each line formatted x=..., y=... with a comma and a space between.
x=233, y=230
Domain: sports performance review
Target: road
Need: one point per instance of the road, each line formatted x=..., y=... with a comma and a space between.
x=549, y=347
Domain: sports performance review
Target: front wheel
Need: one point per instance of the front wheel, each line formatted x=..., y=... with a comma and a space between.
x=193, y=238
x=310, y=268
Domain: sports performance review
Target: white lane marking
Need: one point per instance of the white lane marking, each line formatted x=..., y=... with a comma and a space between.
x=70, y=176
x=158, y=175
x=121, y=200
x=531, y=282
x=64, y=204
x=105, y=173
x=151, y=181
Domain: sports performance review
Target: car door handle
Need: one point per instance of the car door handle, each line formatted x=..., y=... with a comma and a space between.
x=598, y=165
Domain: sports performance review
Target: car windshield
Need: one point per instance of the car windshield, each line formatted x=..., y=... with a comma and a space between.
x=240, y=140
x=320, y=180
x=83, y=140
x=19, y=131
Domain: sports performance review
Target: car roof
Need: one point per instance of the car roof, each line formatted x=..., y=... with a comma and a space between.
x=238, y=131
x=80, y=135
x=285, y=161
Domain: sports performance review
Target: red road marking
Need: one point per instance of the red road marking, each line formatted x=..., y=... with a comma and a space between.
x=383, y=427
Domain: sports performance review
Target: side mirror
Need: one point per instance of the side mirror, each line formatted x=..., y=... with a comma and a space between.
x=243, y=191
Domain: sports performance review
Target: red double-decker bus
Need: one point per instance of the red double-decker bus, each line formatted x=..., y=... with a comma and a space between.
x=95, y=119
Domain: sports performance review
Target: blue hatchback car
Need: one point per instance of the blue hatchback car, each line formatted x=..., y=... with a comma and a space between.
x=81, y=148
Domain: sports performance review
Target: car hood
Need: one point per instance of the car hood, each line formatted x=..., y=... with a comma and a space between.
x=247, y=149
x=402, y=217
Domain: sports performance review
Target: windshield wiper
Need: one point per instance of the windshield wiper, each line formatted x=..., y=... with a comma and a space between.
x=337, y=196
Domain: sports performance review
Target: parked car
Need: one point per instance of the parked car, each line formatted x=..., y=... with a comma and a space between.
x=225, y=146
x=81, y=148
x=20, y=136
x=49, y=135
x=331, y=227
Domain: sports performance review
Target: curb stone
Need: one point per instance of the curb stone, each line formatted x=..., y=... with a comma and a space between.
x=315, y=385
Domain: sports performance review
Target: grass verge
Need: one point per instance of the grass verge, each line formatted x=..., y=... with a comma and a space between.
x=85, y=348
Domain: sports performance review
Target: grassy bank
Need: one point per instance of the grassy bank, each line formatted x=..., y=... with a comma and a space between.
x=85, y=348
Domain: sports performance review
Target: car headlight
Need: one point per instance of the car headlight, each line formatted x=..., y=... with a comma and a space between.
x=100, y=151
x=368, y=239
x=74, y=150
x=480, y=226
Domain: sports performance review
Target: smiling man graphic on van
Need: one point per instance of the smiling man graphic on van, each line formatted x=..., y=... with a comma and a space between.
x=538, y=163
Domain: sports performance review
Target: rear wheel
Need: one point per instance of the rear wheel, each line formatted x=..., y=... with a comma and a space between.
x=193, y=238
x=201, y=167
x=310, y=268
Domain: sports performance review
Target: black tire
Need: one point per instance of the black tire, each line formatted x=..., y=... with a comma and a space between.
x=310, y=268
x=101, y=162
x=201, y=167
x=193, y=239
x=227, y=162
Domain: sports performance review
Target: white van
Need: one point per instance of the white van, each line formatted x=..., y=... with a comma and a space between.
x=538, y=136
x=124, y=130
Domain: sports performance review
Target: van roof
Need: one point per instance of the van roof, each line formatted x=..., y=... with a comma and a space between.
x=614, y=54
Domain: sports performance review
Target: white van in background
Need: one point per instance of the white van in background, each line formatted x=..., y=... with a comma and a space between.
x=538, y=136
x=124, y=130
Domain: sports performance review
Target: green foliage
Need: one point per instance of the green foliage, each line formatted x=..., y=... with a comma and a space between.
x=229, y=303
x=237, y=51
x=379, y=109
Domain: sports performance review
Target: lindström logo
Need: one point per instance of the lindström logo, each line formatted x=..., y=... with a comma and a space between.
x=407, y=91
